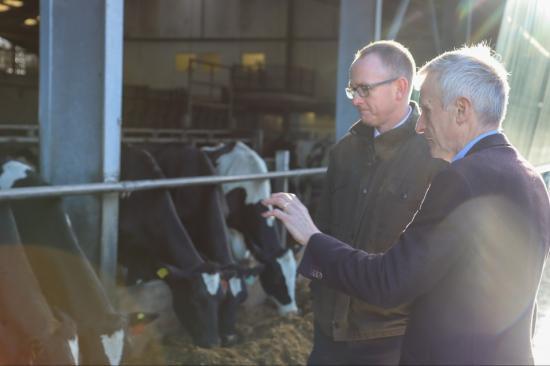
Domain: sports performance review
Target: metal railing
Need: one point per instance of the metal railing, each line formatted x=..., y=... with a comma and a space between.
x=544, y=170
x=130, y=186
x=29, y=134
x=541, y=169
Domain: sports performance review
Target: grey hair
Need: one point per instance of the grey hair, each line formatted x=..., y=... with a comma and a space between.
x=474, y=72
x=396, y=58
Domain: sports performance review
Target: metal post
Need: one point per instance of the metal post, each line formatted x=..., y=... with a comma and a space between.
x=398, y=19
x=258, y=140
x=282, y=163
x=188, y=116
x=289, y=44
x=435, y=28
x=378, y=21
x=469, y=21
x=112, y=134
x=356, y=30
x=79, y=114
x=231, y=102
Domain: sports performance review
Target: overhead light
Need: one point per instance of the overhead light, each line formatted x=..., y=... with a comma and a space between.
x=31, y=22
x=4, y=8
x=14, y=3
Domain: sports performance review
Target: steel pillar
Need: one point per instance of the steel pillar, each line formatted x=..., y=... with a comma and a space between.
x=79, y=114
x=357, y=28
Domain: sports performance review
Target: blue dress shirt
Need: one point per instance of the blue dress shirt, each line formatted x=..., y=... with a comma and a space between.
x=462, y=153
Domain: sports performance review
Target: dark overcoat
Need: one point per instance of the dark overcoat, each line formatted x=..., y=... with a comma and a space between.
x=372, y=189
x=470, y=261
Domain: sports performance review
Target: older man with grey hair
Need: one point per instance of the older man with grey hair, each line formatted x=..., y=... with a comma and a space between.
x=471, y=260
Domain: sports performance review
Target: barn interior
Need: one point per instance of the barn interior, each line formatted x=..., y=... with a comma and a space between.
x=79, y=77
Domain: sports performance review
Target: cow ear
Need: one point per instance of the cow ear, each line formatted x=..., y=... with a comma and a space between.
x=138, y=320
x=169, y=272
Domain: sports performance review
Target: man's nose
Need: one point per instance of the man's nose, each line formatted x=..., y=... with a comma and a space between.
x=420, y=126
x=356, y=100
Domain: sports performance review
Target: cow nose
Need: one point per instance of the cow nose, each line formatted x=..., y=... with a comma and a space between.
x=229, y=340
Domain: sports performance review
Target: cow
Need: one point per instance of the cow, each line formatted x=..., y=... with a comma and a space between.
x=202, y=211
x=31, y=332
x=153, y=244
x=65, y=276
x=260, y=235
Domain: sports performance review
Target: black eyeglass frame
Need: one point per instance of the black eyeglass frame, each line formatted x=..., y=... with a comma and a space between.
x=363, y=90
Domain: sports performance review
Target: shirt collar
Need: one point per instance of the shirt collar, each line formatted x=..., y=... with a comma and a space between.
x=377, y=133
x=462, y=153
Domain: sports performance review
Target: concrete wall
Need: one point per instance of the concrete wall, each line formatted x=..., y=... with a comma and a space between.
x=154, y=63
x=157, y=30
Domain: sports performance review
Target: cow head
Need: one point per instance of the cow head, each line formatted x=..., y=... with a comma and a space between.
x=234, y=288
x=61, y=347
x=12, y=171
x=260, y=234
x=196, y=296
x=153, y=239
x=262, y=239
x=278, y=281
x=104, y=347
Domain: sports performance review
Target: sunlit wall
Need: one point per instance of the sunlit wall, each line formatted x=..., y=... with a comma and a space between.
x=524, y=43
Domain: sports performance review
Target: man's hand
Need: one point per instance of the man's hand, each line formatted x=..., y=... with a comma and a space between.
x=293, y=214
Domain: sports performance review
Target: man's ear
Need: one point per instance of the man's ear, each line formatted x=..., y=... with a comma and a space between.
x=464, y=110
x=402, y=90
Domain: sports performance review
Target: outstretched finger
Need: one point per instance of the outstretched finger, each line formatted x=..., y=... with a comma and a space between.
x=277, y=199
x=277, y=213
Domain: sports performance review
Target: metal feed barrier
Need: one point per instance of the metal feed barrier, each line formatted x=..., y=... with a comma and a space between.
x=107, y=261
x=130, y=186
x=29, y=134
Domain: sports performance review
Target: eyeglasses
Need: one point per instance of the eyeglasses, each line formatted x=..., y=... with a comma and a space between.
x=363, y=90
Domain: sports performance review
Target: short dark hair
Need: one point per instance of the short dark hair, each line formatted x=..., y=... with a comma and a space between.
x=396, y=57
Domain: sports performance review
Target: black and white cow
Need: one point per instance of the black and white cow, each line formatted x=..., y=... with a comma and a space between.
x=202, y=211
x=153, y=243
x=64, y=274
x=259, y=234
x=30, y=331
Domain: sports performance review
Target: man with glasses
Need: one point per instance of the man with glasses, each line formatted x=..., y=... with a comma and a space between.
x=377, y=176
x=471, y=260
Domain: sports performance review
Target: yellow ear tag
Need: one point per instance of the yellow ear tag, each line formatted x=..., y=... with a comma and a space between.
x=162, y=272
x=141, y=316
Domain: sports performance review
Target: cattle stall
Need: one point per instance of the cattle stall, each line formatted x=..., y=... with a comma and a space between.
x=127, y=187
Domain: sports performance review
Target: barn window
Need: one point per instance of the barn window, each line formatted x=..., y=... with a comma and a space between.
x=253, y=60
x=210, y=58
x=183, y=59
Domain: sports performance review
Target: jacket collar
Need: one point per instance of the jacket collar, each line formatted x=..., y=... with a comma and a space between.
x=386, y=144
x=498, y=139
